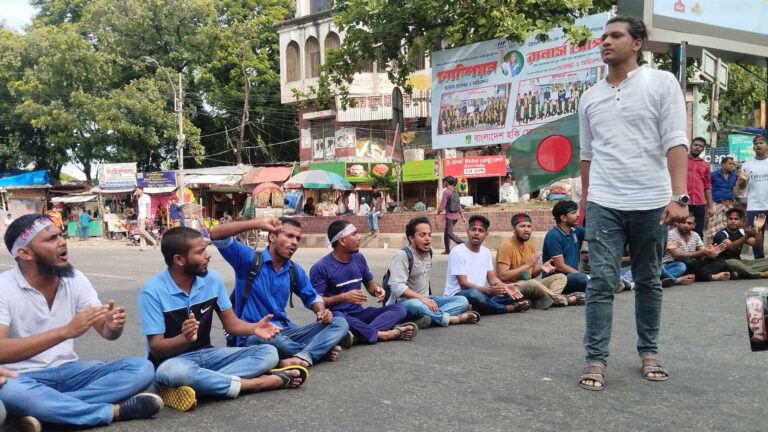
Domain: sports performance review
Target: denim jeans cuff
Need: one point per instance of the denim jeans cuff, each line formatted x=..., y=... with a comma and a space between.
x=304, y=356
x=234, y=387
x=446, y=319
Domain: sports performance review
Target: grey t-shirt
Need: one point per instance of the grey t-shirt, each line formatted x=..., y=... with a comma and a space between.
x=400, y=279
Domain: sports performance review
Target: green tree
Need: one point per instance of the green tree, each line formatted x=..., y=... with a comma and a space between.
x=746, y=85
x=393, y=32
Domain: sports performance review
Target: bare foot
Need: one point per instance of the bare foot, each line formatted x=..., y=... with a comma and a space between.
x=333, y=354
x=722, y=276
x=293, y=361
x=764, y=275
x=686, y=280
x=388, y=335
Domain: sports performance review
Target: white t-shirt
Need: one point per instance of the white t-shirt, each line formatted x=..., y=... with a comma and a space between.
x=757, y=194
x=626, y=132
x=475, y=265
x=144, y=203
x=25, y=311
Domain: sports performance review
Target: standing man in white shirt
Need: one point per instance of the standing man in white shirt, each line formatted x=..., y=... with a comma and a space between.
x=755, y=173
x=144, y=205
x=632, y=132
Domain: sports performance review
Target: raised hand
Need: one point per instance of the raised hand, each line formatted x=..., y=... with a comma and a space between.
x=268, y=224
x=548, y=267
x=355, y=297
x=533, y=259
x=83, y=321
x=513, y=292
x=115, y=316
x=759, y=221
x=743, y=175
x=265, y=329
x=189, y=328
x=379, y=292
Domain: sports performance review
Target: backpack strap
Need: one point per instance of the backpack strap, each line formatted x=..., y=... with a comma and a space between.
x=430, y=279
x=254, y=270
x=294, y=282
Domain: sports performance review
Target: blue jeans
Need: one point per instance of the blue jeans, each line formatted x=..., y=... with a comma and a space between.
x=447, y=306
x=625, y=276
x=757, y=250
x=673, y=270
x=577, y=282
x=217, y=371
x=607, y=232
x=484, y=303
x=83, y=232
x=309, y=343
x=79, y=393
x=2, y=412
x=372, y=219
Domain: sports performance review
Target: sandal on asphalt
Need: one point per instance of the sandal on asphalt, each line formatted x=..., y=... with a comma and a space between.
x=288, y=379
x=402, y=329
x=180, y=398
x=651, y=365
x=424, y=322
x=577, y=299
x=24, y=424
x=594, y=372
x=348, y=340
x=470, y=317
x=520, y=306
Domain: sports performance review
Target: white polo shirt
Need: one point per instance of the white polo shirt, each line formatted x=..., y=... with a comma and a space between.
x=25, y=311
x=626, y=132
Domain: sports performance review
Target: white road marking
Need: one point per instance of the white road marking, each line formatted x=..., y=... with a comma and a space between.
x=88, y=274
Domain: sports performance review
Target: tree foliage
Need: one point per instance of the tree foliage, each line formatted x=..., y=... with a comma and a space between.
x=394, y=32
x=746, y=85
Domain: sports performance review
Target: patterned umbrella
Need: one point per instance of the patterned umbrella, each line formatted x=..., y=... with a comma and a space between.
x=317, y=179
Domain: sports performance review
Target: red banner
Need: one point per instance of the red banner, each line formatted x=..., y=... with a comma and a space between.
x=476, y=166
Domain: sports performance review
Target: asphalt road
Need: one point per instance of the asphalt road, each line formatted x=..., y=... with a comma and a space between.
x=511, y=372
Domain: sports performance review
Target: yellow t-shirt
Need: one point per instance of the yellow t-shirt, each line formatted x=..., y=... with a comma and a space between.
x=514, y=254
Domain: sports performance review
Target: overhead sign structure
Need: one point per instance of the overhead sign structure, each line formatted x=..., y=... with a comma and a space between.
x=493, y=92
x=117, y=175
x=477, y=166
x=709, y=69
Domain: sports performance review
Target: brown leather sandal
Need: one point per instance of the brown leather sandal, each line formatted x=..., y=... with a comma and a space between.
x=594, y=372
x=652, y=365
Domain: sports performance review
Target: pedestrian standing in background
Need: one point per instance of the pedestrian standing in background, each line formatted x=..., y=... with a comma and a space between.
x=754, y=173
x=450, y=206
x=144, y=203
x=85, y=220
x=699, y=184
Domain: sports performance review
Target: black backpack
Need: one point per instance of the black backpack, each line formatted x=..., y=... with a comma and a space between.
x=454, y=203
x=255, y=270
x=385, y=282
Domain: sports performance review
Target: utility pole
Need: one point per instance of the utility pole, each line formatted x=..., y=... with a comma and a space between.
x=715, y=105
x=180, y=138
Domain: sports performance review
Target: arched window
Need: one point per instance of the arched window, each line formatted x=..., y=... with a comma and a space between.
x=292, y=62
x=311, y=58
x=332, y=42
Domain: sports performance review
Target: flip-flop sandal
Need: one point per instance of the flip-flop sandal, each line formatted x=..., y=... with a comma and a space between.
x=580, y=299
x=652, y=365
x=402, y=328
x=464, y=317
x=521, y=306
x=348, y=340
x=596, y=373
x=288, y=379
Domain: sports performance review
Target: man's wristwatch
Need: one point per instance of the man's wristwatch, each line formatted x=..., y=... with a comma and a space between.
x=683, y=199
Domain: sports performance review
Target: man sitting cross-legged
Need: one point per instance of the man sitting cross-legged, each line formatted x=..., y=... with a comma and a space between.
x=516, y=261
x=44, y=305
x=471, y=275
x=562, y=245
x=339, y=276
x=271, y=289
x=409, y=273
x=734, y=237
x=177, y=308
x=684, y=245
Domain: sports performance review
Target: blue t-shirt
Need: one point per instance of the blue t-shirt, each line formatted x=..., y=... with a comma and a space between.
x=85, y=219
x=332, y=277
x=722, y=189
x=163, y=307
x=270, y=290
x=558, y=243
x=175, y=212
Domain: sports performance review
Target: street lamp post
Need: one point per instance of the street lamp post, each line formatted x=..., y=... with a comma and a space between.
x=178, y=98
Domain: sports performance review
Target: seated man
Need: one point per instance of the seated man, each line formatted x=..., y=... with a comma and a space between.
x=177, y=308
x=44, y=305
x=409, y=273
x=471, y=275
x=271, y=289
x=339, y=276
x=562, y=245
x=734, y=237
x=684, y=245
x=517, y=261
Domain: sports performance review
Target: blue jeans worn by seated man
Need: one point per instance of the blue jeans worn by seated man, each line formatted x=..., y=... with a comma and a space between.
x=447, y=306
x=484, y=303
x=577, y=282
x=670, y=270
x=757, y=250
x=309, y=343
x=217, y=371
x=607, y=232
x=79, y=393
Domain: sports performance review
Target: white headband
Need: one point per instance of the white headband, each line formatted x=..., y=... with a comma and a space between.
x=26, y=237
x=349, y=229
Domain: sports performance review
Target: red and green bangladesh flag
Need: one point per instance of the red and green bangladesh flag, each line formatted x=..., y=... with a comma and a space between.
x=546, y=154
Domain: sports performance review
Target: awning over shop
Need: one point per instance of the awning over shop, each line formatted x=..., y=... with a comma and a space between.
x=73, y=199
x=98, y=189
x=214, y=179
x=267, y=175
x=159, y=190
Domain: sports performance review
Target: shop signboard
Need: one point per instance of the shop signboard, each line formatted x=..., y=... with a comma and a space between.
x=740, y=146
x=356, y=172
x=495, y=91
x=476, y=166
x=159, y=179
x=420, y=170
x=117, y=175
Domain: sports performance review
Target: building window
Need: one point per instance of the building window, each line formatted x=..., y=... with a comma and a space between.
x=368, y=67
x=323, y=139
x=419, y=62
x=312, y=58
x=332, y=42
x=317, y=6
x=292, y=62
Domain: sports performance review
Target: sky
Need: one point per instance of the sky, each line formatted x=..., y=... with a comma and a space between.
x=16, y=13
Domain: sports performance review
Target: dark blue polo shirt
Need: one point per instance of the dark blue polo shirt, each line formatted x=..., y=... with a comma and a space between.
x=560, y=243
